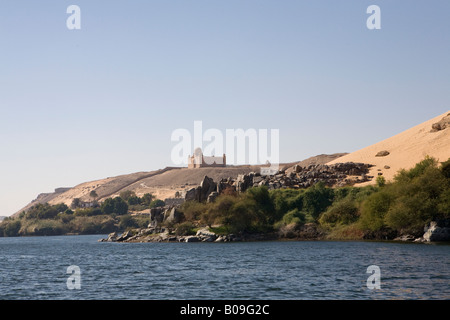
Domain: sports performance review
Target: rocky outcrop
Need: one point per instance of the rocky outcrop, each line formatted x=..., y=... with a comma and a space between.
x=112, y=237
x=201, y=193
x=339, y=174
x=206, y=235
x=158, y=234
x=174, y=215
x=442, y=124
x=437, y=231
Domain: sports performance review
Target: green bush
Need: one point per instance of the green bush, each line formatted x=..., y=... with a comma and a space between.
x=374, y=209
x=342, y=212
x=92, y=225
x=45, y=227
x=262, y=205
x=157, y=203
x=317, y=199
x=294, y=216
x=444, y=204
x=445, y=168
x=127, y=222
x=419, y=199
x=185, y=229
x=416, y=197
x=193, y=210
x=45, y=211
x=236, y=214
x=10, y=228
x=114, y=205
x=127, y=194
x=381, y=181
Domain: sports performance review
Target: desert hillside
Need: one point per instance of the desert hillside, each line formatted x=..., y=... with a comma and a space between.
x=405, y=149
x=162, y=183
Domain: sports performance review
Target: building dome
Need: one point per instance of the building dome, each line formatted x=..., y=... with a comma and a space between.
x=198, y=152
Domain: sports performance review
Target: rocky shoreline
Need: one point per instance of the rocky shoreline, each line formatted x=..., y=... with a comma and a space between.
x=165, y=235
x=435, y=231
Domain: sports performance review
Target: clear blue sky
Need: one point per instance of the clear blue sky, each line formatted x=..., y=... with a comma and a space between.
x=80, y=105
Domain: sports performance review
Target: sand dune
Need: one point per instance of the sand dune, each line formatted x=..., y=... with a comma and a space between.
x=405, y=149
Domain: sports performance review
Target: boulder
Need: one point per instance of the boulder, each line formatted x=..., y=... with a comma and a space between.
x=206, y=187
x=174, y=215
x=212, y=197
x=156, y=214
x=220, y=239
x=437, y=231
x=112, y=237
x=243, y=182
x=125, y=236
x=206, y=235
x=191, y=239
x=406, y=237
x=436, y=127
x=383, y=153
x=191, y=195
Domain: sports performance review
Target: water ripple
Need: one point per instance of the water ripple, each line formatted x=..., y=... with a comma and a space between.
x=35, y=268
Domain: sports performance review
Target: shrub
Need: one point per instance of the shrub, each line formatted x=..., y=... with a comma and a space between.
x=316, y=200
x=134, y=200
x=417, y=201
x=92, y=225
x=193, y=210
x=157, y=203
x=294, y=217
x=10, y=228
x=65, y=217
x=146, y=199
x=445, y=168
x=374, y=209
x=45, y=211
x=381, y=181
x=127, y=222
x=342, y=212
x=216, y=211
x=76, y=202
x=46, y=227
x=114, y=205
x=185, y=229
x=127, y=194
x=444, y=204
x=406, y=175
x=262, y=205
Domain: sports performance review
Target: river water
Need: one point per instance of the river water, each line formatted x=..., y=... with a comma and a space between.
x=36, y=268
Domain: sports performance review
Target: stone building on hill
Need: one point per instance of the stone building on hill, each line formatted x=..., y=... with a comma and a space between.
x=198, y=160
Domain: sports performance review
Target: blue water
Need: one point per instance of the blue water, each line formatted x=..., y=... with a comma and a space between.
x=35, y=268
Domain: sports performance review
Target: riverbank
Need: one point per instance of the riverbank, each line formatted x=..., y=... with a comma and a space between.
x=434, y=232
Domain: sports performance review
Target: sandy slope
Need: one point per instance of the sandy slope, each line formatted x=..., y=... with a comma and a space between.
x=406, y=149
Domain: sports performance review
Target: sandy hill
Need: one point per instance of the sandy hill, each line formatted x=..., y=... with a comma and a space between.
x=405, y=149
x=162, y=183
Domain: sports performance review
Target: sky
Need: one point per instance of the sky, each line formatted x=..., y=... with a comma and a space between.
x=90, y=103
